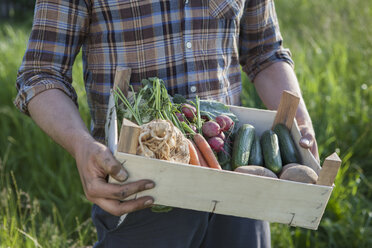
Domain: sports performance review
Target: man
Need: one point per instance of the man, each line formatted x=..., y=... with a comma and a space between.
x=197, y=48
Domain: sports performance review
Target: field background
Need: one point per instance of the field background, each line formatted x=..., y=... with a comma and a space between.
x=41, y=199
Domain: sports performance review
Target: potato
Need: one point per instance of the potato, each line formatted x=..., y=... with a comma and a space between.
x=299, y=173
x=286, y=167
x=256, y=170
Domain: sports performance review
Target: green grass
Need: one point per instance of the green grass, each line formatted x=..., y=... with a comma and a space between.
x=41, y=198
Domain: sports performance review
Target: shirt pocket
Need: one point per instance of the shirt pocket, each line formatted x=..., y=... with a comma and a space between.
x=226, y=9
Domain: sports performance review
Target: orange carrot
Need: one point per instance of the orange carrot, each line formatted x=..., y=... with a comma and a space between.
x=200, y=156
x=193, y=154
x=206, y=151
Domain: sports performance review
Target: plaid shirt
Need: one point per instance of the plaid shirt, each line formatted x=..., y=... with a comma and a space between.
x=196, y=47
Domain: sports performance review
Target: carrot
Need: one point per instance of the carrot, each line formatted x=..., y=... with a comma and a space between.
x=206, y=151
x=193, y=154
x=200, y=156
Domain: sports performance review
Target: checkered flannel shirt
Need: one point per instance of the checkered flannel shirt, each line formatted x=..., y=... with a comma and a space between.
x=195, y=46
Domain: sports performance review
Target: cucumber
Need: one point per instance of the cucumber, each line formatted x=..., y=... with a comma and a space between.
x=288, y=150
x=242, y=145
x=271, y=152
x=224, y=157
x=255, y=157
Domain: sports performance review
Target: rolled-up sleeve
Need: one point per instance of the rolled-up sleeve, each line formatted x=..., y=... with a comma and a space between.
x=58, y=31
x=260, y=43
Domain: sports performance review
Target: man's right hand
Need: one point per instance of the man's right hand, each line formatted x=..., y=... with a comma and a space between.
x=58, y=116
x=95, y=162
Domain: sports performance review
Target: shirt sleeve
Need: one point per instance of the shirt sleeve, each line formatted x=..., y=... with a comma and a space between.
x=260, y=43
x=59, y=28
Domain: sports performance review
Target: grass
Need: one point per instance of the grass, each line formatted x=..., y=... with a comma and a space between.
x=41, y=200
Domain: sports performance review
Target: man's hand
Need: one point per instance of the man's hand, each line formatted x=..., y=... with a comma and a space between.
x=57, y=115
x=308, y=140
x=270, y=83
x=95, y=161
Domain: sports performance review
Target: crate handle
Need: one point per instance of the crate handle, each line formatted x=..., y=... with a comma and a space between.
x=329, y=170
x=122, y=79
x=287, y=109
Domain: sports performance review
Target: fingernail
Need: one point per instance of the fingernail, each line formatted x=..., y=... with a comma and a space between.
x=149, y=185
x=306, y=142
x=148, y=202
x=122, y=175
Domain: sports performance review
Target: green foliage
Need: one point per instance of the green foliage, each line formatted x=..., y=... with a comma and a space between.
x=332, y=52
x=41, y=199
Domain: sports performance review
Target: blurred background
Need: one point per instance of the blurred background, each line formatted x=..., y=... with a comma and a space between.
x=41, y=199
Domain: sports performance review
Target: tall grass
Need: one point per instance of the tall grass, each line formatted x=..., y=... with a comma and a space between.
x=332, y=50
x=41, y=200
x=35, y=169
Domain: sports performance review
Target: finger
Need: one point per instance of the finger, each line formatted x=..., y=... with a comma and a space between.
x=307, y=141
x=118, y=208
x=101, y=189
x=111, y=166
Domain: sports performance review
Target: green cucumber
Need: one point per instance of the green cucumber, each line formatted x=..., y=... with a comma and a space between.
x=255, y=157
x=224, y=157
x=288, y=150
x=242, y=145
x=271, y=152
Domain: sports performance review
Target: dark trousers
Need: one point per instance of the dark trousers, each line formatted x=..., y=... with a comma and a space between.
x=179, y=228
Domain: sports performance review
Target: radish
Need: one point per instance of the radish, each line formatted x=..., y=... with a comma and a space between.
x=189, y=111
x=216, y=144
x=180, y=117
x=211, y=129
x=221, y=135
x=225, y=122
x=193, y=127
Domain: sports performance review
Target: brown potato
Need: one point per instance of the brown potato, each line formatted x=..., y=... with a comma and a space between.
x=286, y=167
x=299, y=173
x=256, y=170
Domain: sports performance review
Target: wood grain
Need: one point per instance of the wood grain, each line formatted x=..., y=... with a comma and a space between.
x=128, y=138
x=287, y=109
x=122, y=79
x=329, y=170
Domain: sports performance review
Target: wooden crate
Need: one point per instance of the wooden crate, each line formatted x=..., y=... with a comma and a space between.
x=230, y=193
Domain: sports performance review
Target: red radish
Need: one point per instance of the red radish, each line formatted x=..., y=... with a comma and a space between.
x=193, y=127
x=211, y=129
x=180, y=117
x=216, y=144
x=225, y=122
x=189, y=111
x=221, y=135
x=205, y=117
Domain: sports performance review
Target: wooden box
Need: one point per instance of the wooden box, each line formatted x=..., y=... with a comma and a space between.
x=230, y=193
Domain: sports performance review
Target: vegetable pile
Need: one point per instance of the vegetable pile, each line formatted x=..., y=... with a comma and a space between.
x=176, y=129
x=274, y=154
x=204, y=133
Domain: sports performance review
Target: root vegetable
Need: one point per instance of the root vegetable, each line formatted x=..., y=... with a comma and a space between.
x=256, y=170
x=180, y=117
x=200, y=155
x=189, y=111
x=216, y=144
x=300, y=173
x=225, y=122
x=206, y=151
x=211, y=129
x=221, y=135
x=194, y=158
x=162, y=140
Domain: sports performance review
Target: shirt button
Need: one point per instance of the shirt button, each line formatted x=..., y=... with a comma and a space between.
x=193, y=89
x=189, y=45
